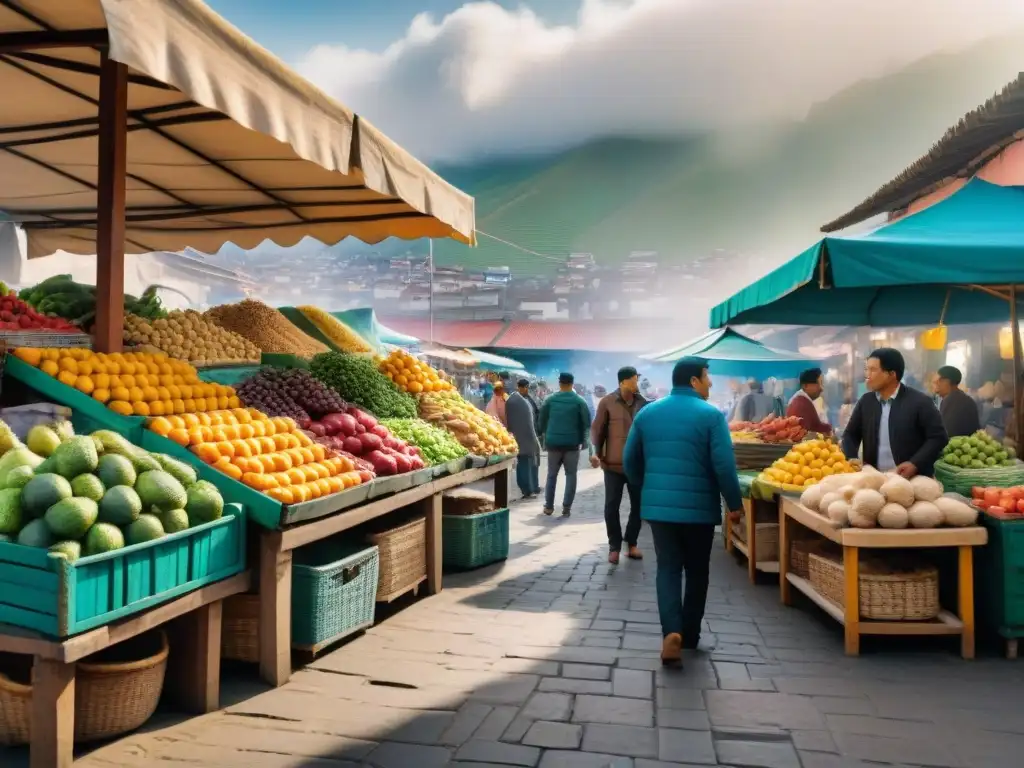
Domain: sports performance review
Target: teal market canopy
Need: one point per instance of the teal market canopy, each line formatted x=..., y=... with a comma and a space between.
x=954, y=262
x=494, y=362
x=733, y=354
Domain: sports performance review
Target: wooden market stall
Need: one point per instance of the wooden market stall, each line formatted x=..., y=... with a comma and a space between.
x=152, y=126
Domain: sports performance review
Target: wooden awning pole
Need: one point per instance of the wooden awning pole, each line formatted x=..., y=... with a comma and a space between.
x=110, y=197
x=1018, y=411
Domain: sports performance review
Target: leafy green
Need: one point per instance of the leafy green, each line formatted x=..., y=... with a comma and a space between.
x=436, y=444
x=357, y=379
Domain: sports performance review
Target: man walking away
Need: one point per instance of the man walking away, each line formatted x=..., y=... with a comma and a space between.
x=529, y=393
x=519, y=414
x=615, y=414
x=801, y=404
x=898, y=427
x=958, y=409
x=680, y=454
x=565, y=426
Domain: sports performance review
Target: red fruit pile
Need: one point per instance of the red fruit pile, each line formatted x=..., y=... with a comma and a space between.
x=356, y=434
x=773, y=429
x=999, y=502
x=16, y=315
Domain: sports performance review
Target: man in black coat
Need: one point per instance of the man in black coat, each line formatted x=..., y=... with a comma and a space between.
x=898, y=427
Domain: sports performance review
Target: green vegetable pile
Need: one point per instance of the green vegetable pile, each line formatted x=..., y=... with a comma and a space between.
x=978, y=451
x=357, y=380
x=436, y=444
x=61, y=296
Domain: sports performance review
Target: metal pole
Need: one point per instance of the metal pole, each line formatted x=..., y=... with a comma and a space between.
x=430, y=283
x=1018, y=364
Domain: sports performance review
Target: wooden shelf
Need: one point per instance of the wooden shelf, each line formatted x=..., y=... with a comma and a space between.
x=770, y=566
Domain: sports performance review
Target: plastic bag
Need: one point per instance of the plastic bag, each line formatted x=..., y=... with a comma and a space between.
x=21, y=418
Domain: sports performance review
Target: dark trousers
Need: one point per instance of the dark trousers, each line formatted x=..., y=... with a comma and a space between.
x=682, y=547
x=614, y=484
x=528, y=475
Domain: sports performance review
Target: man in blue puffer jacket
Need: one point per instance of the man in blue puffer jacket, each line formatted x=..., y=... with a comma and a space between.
x=680, y=454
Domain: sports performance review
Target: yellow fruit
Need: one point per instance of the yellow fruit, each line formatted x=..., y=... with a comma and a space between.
x=84, y=384
x=31, y=355
x=102, y=395
x=121, y=407
x=140, y=408
x=49, y=367
x=67, y=377
x=68, y=364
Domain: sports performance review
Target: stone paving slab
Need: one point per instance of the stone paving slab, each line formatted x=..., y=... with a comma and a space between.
x=551, y=659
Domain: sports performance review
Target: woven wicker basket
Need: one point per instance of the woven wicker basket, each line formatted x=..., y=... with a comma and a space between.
x=403, y=558
x=240, y=628
x=887, y=593
x=766, y=539
x=111, y=698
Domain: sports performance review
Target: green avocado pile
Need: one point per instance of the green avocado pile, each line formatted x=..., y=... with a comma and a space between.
x=978, y=451
x=81, y=495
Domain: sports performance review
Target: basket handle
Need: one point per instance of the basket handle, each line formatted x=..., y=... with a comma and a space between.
x=345, y=575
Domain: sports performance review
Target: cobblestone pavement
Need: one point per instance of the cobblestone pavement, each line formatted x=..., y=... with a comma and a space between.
x=551, y=660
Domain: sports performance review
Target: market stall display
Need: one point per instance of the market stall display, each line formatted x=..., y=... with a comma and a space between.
x=772, y=429
x=265, y=327
x=188, y=335
x=292, y=392
x=978, y=460
x=412, y=375
x=480, y=434
x=806, y=464
x=335, y=331
x=892, y=594
x=437, y=445
x=61, y=297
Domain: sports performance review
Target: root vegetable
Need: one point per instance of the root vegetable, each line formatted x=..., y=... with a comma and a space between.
x=894, y=515
x=955, y=512
x=924, y=514
x=926, y=488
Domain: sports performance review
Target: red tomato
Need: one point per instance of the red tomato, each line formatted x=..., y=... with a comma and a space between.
x=1008, y=502
x=981, y=504
x=996, y=511
x=992, y=495
x=978, y=492
x=1020, y=505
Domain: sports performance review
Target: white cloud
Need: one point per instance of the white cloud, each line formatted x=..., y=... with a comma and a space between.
x=484, y=79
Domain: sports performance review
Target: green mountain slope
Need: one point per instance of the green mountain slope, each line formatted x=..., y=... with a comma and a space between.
x=763, y=191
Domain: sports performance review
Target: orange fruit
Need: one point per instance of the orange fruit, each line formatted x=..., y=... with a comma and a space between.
x=140, y=408
x=102, y=395
x=324, y=486
x=121, y=407
x=31, y=355
x=68, y=378
x=241, y=448
x=180, y=436
x=296, y=476
x=49, y=367
x=160, y=426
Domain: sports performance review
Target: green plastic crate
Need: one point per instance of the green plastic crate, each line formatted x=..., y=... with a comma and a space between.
x=999, y=573
x=88, y=415
x=472, y=541
x=334, y=590
x=46, y=593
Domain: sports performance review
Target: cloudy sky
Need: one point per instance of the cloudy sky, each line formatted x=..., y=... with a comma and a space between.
x=454, y=80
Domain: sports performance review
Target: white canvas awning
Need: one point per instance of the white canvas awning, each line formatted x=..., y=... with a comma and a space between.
x=224, y=142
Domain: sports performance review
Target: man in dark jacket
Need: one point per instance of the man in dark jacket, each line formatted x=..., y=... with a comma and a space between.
x=959, y=411
x=565, y=426
x=615, y=414
x=519, y=414
x=679, y=452
x=899, y=428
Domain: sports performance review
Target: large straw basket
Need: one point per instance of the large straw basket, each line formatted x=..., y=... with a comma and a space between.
x=403, y=558
x=888, y=591
x=766, y=539
x=111, y=697
x=240, y=628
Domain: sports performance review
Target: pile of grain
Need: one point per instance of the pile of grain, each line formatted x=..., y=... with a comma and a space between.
x=265, y=327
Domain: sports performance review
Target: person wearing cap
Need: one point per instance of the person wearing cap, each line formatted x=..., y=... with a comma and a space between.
x=519, y=412
x=565, y=426
x=958, y=409
x=801, y=404
x=615, y=414
x=680, y=454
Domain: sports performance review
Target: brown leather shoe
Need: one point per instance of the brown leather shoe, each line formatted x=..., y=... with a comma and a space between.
x=672, y=650
x=613, y=557
x=635, y=553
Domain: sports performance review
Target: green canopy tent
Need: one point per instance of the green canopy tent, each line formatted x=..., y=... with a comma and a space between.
x=734, y=354
x=959, y=261
x=492, y=362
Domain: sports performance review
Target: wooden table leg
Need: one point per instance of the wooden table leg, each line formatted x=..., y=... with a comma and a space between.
x=432, y=508
x=53, y=714
x=501, y=489
x=965, y=580
x=851, y=600
x=784, y=533
x=275, y=630
x=194, y=674
x=748, y=510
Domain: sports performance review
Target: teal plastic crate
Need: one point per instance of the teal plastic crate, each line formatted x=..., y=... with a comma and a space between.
x=46, y=593
x=88, y=415
x=334, y=590
x=472, y=541
x=999, y=574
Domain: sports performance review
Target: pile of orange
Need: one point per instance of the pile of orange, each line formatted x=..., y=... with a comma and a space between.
x=132, y=383
x=270, y=455
x=412, y=375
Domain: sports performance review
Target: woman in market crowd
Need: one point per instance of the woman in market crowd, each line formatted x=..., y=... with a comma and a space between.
x=615, y=415
x=801, y=404
x=496, y=406
x=520, y=415
x=959, y=411
x=898, y=428
x=680, y=455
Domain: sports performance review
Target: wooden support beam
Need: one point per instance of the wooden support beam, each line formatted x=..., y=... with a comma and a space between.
x=110, y=204
x=16, y=42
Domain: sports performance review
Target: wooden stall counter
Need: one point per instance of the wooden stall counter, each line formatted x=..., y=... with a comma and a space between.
x=755, y=534
x=193, y=679
x=276, y=548
x=852, y=540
